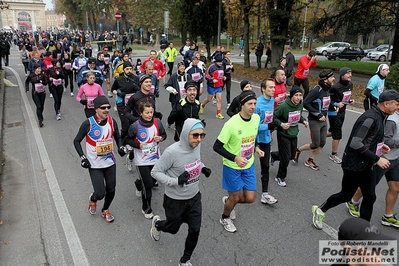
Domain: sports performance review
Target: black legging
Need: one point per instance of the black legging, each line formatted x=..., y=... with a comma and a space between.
x=170, y=65
x=147, y=184
x=26, y=67
x=264, y=166
x=227, y=83
x=39, y=99
x=57, y=95
x=98, y=176
x=285, y=153
x=350, y=182
x=125, y=123
x=305, y=85
x=69, y=79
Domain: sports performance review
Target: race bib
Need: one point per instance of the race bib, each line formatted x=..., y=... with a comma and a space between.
x=106, y=60
x=102, y=67
x=155, y=72
x=67, y=66
x=306, y=72
x=247, y=150
x=39, y=87
x=378, y=151
x=57, y=82
x=268, y=117
x=152, y=89
x=127, y=97
x=196, y=76
x=194, y=170
x=326, y=103
x=282, y=97
x=220, y=74
x=58, y=56
x=347, y=96
x=294, y=117
x=90, y=102
x=104, y=147
x=181, y=87
x=149, y=148
x=49, y=66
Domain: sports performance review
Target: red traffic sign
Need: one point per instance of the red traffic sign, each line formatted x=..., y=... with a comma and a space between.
x=118, y=15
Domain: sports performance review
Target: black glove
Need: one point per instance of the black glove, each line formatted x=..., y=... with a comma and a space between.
x=121, y=94
x=206, y=171
x=156, y=94
x=183, y=178
x=272, y=126
x=84, y=162
x=84, y=102
x=203, y=122
x=122, y=151
x=158, y=115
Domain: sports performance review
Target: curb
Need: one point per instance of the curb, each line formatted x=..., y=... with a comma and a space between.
x=2, y=98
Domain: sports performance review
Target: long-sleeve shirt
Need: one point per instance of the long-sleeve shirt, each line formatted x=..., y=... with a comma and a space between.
x=304, y=64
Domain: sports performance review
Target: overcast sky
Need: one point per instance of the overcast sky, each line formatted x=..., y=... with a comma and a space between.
x=48, y=3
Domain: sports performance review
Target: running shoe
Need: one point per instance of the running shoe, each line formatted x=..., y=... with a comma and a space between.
x=115, y=108
x=233, y=212
x=214, y=100
x=129, y=164
x=72, y=94
x=51, y=95
x=187, y=263
x=110, y=94
x=58, y=116
x=353, y=209
x=228, y=225
x=228, y=105
x=297, y=153
x=219, y=116
x=268, y=199
x=335, y=158
x=109, y=218
x=155, y=234
x=318, y=217
x=272, y=160
x=92, y=206
x=280, y=181
x=138, y=193
x=390, y=221
x=201, y=111
x=149, y=215
x=310, y=163
x=41, y=124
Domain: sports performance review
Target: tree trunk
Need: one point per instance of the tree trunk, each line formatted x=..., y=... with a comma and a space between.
x=247, y=62
x=395, y=49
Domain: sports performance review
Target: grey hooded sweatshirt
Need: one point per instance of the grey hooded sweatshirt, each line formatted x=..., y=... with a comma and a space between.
x=176, y=159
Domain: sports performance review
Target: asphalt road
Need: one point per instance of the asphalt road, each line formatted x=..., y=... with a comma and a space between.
x=44, y=206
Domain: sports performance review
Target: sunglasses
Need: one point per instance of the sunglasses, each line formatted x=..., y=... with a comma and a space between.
x=105, y=107
x=105, y=50
x=197, y=135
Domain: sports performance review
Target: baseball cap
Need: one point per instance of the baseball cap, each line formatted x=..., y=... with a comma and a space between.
x=382, y=67
x=389, y=95
x=360, y=229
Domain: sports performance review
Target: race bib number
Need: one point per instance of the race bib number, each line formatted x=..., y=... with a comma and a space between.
x=58, y=56
x=220, y=74
x=181, y=87
x=282, y=97
x=127, y=97
x=247, y=150
x=347, y=96
x=152, y=89
x=49, y=66
x=39, y=87
x=378, y=152
x=102, y=67
x=326, y=103
x=149, y=148
x=155, y=72
x=194, y=170
x=67, y=66
x=106, y=60
x=294, y=117
x=57, y=82
x=104, y=147
x=196, y=76
x=268, y=117
x=306, y=72
x=90, y=102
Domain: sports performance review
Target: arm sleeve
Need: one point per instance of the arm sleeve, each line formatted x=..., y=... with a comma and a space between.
x=117, y=135
x=359, y=136
x=313, y=94
x=131, y=134
x=218, y=147
x=161, y=166
x=390, y=132
x=84, y=128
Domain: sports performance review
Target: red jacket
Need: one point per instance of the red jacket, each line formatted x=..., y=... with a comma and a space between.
x=304, y=64
x=279, y=92
x=159, y=68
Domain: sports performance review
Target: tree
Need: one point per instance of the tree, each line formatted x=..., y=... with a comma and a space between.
x=360, y=17
x=246, y=6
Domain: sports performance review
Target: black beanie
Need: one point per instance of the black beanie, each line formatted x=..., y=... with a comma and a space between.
x=100, y=100
x=244, y=83
x=245, y=96
x=143, y=78
x=127, y=64
x=294, y=90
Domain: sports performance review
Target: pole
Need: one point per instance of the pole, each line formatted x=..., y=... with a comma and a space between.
x=87, y=21
x=219, y=22
x=117, y=26
x=304, y=25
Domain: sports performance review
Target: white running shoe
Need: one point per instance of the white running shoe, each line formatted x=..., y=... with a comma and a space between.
x=147, y=215
x=72, y=94
x=51, y=95
x=268, y=199
x=228, y=225
x=138, y=193
x=233, y=212
x=129, y=164
x=155, y=234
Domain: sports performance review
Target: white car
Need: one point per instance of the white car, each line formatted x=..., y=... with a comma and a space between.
x=380, y=55
x=330, y=47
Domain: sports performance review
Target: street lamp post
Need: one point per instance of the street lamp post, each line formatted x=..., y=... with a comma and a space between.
x=2, y=7
x=304, y=25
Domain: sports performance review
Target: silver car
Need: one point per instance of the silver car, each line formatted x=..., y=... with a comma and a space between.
x=330, y=47
x=380, y=55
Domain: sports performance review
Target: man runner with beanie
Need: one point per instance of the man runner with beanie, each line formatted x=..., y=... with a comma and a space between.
x=235, y=106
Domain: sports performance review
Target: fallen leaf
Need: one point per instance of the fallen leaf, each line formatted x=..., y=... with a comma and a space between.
x=44, y=170
x=1, y=222
x=8, y=242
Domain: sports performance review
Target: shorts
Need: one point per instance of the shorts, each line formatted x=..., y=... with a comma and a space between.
x=336, y=123
x=234, y=180
x=318, y=133
x=391, y=173
x=212, y=90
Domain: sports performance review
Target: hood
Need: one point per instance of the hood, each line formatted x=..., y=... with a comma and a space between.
x=188, y=124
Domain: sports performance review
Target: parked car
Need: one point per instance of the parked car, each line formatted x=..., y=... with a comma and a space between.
x=351, y=53
x=380, y=55
x=331, y=46
x=372, y=49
